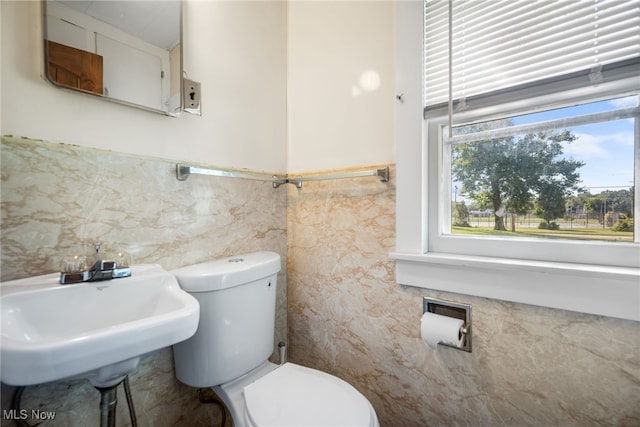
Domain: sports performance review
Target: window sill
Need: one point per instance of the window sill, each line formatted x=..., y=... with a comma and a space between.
x=594, y=289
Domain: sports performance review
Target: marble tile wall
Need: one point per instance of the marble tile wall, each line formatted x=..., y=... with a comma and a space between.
x=58, y=199
x=530, y=366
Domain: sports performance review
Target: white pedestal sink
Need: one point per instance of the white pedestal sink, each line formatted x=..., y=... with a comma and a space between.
x=96, y=330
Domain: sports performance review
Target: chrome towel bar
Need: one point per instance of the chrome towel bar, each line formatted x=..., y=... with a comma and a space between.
x=183, y=172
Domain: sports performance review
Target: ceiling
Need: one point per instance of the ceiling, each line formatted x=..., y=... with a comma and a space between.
x=154, y=21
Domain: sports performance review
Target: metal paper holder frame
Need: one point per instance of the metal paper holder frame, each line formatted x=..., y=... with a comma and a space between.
x=455, y=310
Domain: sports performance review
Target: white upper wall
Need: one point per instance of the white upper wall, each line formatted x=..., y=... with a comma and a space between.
x=286, y=87
x=236, y=50
x=340, y=84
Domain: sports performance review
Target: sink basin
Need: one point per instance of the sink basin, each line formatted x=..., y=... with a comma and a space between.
x=96, y=330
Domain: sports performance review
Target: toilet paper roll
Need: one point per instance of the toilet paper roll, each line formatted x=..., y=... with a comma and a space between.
x=436, y=329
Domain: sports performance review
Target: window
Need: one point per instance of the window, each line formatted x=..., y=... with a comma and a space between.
x=523, y=87
x=518, y=175
x=568, y=62
x=566, y=173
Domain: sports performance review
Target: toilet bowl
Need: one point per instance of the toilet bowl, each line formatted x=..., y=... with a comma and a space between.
x=234, y=340
x=291, y=395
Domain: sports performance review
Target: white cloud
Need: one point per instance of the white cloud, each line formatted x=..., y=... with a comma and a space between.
x=599, y=146
x=586, y=146
x=627, y=102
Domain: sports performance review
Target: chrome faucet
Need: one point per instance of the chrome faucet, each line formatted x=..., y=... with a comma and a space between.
x=101, y=270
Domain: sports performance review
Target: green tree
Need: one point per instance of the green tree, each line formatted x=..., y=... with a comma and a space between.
x=619, y=201
x=460, y=214
x=551, y=202
x=598, y=205
x=513, y=173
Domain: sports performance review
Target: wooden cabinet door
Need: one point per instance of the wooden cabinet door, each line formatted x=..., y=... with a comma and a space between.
x=74, y=68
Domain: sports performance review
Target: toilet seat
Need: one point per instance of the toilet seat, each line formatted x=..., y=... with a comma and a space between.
x=293, y=395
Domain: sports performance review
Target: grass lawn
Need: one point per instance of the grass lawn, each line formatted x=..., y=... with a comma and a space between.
x=563, y=233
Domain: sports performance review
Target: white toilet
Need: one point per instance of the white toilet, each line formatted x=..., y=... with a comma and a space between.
x=234, y=340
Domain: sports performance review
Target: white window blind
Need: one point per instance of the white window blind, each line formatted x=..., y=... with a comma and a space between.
x=499, y=44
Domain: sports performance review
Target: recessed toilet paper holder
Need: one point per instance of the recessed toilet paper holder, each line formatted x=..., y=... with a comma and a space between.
x=455, y=310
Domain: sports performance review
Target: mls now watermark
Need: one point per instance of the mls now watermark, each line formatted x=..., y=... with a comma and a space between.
x=24, y=414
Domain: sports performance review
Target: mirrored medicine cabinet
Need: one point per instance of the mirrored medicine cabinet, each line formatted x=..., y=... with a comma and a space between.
x=124, y=51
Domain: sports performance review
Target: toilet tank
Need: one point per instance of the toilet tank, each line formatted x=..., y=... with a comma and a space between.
x=237, y=297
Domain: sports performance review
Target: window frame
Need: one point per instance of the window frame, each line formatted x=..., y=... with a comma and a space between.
x=438, y=199
x=611, y=290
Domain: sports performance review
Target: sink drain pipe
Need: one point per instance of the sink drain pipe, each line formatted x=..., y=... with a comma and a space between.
x=108, y=402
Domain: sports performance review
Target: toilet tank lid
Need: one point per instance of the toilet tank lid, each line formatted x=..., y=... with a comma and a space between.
x=227, y=272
